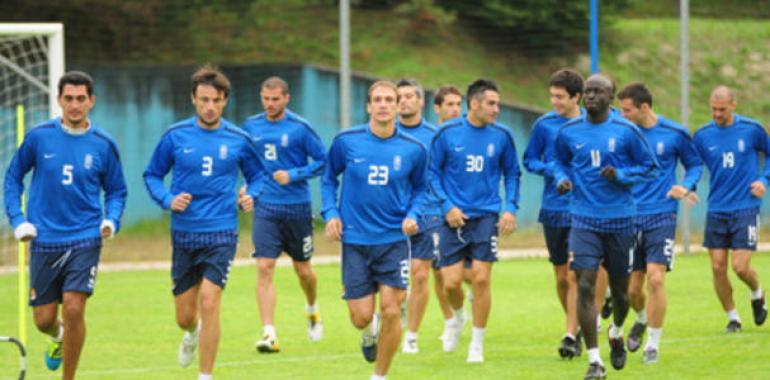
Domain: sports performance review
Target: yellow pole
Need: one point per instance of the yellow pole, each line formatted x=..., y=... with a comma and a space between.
x=22, y=257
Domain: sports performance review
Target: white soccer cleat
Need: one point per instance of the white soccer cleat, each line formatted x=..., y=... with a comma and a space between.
x=475, y=353
x=315, y=329
x=188, y=346
x=410, y=346
x=453, y=332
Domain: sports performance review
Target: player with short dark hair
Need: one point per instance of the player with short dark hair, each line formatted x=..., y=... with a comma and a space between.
x=599, y=157
x=205, y=154
x=72, y=160
x=383, y=183
x=283, y=219
x=469, y=157
x=730, y=146
x=656, y=209
x=566, y=90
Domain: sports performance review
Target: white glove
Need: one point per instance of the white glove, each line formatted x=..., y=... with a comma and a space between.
x=25, y=231
x=106, y=223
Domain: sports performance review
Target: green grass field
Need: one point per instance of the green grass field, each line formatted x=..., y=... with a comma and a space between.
x=132, y=334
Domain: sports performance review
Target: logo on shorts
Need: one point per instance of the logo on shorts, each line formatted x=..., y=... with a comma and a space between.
x=659, y=148
x=285, y=140
x=491, y=150
x=223, y=152
x=397, y=162
x=741, y=145
x=88, y=162
x=32, y=294
x=611, y=144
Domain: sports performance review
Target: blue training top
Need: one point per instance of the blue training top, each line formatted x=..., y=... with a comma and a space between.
x=424, y=133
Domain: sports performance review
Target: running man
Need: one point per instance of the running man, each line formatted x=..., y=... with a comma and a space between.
x=73, y=161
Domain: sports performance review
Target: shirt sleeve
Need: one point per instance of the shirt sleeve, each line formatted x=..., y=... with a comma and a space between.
x=23, y=161
x=160, y=164
x=436, y=167
x=512, y=176
x=763, y=145
x=563, y=159
x=534, y=155
x=253, y=170
x=693, y=165
x=114, y=185
x=315, y=149
x=329, y=182
x=643, y=165
x=418, y=180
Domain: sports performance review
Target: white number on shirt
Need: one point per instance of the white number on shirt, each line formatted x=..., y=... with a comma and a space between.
x=596, y=158
x=271, y=153
x=474, y=163
x=208, y=166
x=378, y=175
x=66, y=171
x=728, y=160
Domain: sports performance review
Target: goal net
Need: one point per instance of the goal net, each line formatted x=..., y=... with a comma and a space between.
x=31, y=63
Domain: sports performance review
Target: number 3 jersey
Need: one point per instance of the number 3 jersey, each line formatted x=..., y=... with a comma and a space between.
x=583, y=149
x=731, y=155
x=466, y=165
x=383, y=182
x=204, y=163
x=70, y=172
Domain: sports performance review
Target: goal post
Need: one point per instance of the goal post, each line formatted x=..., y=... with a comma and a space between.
x=31, y=63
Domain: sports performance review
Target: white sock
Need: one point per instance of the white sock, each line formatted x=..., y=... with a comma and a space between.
x=615, y=331
x=311, y=309
x=203, y=376
x=268, y=329
x=459, y=314
x=448, y=322
x=598, y=322
x=641, y=316
x=377, y=377
x=369, y=329
x=568, y=335
x=732, y=315
x=593, y=356
x=477, y=337
x=60, y=336
x=755, y=295
x=653, y=338
x=410, y=335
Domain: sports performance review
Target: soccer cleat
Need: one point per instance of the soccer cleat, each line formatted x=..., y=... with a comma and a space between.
x=188, y=346
x=453, y=334
x=410, y=346
x=650, y=356
x=475, y=353
x=369, y=340
x=617, y=353
x=315, y=329
x=607, y=308
x=760, y=310
x=733, y=327
x=568, y=348
x=595, y=372
x=53, y=355
x=268, y=344
x=636, y=336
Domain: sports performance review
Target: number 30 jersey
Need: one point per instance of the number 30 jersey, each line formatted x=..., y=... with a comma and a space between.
x=70, y=172
x=204, y=163
x=383, y=182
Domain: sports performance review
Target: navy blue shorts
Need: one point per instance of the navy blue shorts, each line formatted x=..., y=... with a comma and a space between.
x=477, y=240
x=614, y=250
x=425, y=243
x=190, y=265
x=557, y=241
x=655, y=245
x=52, y=274
x=736, y=232
x=271, y=236
x=364, y=267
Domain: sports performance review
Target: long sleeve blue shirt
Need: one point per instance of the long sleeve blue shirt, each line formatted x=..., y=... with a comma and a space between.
x=205, y=164
x=383, y=182
x=731, y=154
x=424, y=133
x=69, y=173
x=286, y=144
x=467, y=164
x=669, y=142
x=583, y=149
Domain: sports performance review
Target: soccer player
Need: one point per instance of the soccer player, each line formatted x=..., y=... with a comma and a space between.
x=205, y=153
x=599, y=157
x=447, y=103
x=469, y=155
x=656, y=209
x=566, y=89
x=283, y=219
x=73, y=161
x=383, y=183
x=729, y=146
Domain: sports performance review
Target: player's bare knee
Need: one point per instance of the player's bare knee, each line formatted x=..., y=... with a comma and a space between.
x=266, y=269
x=419, y=275
x=360, y=320
x=185, y=321
x=72, y=311
x=209, y=304
x=44, y=321
x=390, y=311
x=656, y=281
x=741, y=269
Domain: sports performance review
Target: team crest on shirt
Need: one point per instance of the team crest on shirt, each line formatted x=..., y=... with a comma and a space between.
x=88, y=161
x=611, y=144
x=741, y=145
x=397, y=162
x=285, y=140
x=223, y=152
x=491, y=150
x=659, y=148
